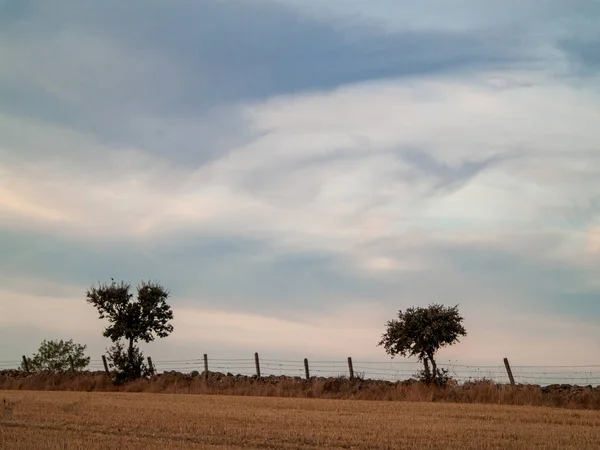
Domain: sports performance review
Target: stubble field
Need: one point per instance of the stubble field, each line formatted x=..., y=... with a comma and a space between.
x=98, y=420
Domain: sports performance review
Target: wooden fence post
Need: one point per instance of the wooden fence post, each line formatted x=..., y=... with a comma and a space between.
x=105, y=365
x=306, y=371
x=509, y=371
x=25, y=364
x=205, y=366
x=257, y=363
x=71, y=363
x=350, y=368
x=150, y=366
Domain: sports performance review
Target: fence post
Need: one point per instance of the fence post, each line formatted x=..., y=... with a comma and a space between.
x=509, y=372
x=25, y=364
x=350, y=368
x=205, y=366
x=71, y=363
x=150, y=366
x=306, y=371
x=257, y=363
x=105, y=365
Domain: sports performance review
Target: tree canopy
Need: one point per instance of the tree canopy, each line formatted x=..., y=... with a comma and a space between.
x=56, y=356
x=421, y=332
x=133, y=319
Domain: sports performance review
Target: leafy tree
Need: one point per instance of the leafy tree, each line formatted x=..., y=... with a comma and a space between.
x=132, y=320
x=421, y=332
x=126, y=365
x=55, y=356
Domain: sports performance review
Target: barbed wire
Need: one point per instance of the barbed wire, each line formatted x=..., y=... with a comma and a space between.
x=377, y=370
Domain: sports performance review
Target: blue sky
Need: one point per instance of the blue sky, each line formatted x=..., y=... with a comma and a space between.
x=297, y=171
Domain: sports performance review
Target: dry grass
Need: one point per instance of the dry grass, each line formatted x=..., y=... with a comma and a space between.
x=330, y=388
x=77, y=420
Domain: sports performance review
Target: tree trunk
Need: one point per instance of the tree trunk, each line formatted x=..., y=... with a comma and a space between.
x=132, y=363
x=434, y=367
x=427, y=371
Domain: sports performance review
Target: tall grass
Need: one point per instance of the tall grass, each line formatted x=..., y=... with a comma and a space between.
x=572, y=397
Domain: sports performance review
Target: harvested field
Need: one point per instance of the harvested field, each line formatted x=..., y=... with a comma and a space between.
x=94, y=420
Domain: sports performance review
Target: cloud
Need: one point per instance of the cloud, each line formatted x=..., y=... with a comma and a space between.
x=555, y=16
x=583, y=53
x=327, y=178
x=447, y=177
x=164, y=78
x=297, y=172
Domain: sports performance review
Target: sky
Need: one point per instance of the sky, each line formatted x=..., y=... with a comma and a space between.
x=297, y=171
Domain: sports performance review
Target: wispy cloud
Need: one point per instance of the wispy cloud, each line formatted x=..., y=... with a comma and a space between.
x=295, y=170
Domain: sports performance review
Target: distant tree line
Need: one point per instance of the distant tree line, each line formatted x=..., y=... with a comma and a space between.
x=131, y=320
x=418, y=332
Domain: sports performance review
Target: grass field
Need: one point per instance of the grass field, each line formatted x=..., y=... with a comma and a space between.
x=98, y=420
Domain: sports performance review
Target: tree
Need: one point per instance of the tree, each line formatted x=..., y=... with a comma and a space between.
x=421, y=332
x=56, y=356
x=132, y=320
x=127, y=364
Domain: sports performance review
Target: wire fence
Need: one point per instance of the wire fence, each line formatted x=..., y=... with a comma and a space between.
x=375, y=370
